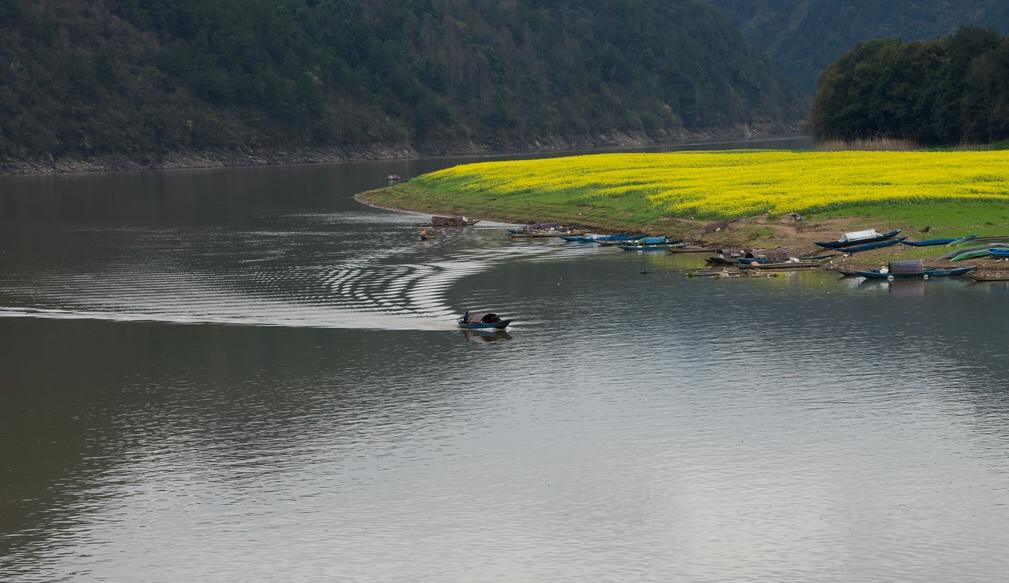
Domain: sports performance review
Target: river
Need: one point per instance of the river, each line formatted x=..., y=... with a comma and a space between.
x=244, y=375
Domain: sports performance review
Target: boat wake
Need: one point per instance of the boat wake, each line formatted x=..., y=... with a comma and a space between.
x=291, y=284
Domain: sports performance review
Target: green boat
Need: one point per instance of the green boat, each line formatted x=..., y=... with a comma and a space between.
x=972, y=255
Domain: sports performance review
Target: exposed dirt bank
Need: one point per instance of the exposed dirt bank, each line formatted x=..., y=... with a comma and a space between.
x=123, y=161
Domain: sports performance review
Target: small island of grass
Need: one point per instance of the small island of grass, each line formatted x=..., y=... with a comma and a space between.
x=941, y=193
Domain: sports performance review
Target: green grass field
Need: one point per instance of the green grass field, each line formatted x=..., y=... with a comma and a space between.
x=927, y=194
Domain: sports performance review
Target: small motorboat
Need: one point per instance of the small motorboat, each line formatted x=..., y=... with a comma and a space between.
x=482, y=322
x=858, y=238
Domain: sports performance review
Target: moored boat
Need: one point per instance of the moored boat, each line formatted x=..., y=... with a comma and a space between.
x=601, y=238
x=873, y=245
x=784, y=265
x=452, y=221
x=937, y=242
x=913, y=269
x=859, y=238
x=652, y=247
x=988, y=275
x=690, y=249
x=980, y=253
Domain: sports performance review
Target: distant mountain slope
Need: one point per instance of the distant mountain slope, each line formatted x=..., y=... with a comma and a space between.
x=802, y=37
x=134, y=76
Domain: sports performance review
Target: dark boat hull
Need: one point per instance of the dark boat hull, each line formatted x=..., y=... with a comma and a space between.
x=845, y=245
x=784, y=265
x=928, y=274
x=930, y=243
x=871, y=246
x=654, y=247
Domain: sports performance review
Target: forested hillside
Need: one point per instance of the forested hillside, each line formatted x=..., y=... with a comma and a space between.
x=948, y=91
x=90, y=76
x=802, y=37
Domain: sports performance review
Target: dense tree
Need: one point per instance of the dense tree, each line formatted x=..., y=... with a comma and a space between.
x=947, y=91
x=142, y=75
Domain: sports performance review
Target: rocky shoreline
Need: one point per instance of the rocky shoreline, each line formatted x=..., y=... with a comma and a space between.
x=126, y=162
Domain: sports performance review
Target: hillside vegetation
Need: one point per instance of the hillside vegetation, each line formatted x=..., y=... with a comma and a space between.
x=948, y=91
x=802, y=37
x=133, y=76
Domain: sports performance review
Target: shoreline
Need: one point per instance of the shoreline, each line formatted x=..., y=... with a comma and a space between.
x=798, y=237
x=49, y=165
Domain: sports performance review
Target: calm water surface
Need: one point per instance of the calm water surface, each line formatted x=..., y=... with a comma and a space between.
x=244, y=375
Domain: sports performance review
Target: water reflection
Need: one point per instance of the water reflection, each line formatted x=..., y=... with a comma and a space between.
x=637, y=428
x=485, y=335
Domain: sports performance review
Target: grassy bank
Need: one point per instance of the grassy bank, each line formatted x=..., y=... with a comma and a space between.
x=928, y=194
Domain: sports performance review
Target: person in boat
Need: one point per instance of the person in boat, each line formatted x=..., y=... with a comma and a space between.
x=465, y=317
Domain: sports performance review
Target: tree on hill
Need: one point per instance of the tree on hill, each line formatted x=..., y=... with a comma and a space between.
x=948, y=91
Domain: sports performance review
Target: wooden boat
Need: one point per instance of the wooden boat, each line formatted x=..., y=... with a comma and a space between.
x=722, y=260
x=926, y=274
x=543, y=234
x=482, y=322
x=651, y=244
x=661, y=240
x=690, y=249
x=989, y=275
x=871, y=246
x=858, y=238
x=730, y=274
x=999, y=252
x=652, y=247
x=818, y=257
x=601, y=238
x=784, y=265
x=452, y=221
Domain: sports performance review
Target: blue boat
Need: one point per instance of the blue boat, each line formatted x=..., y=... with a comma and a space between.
x=936, y=242
x=929, y=243
x=655, y=247
x=600, y=238
x=926, y=274
x=482, y=322
x=871, y=246
x=858, y=239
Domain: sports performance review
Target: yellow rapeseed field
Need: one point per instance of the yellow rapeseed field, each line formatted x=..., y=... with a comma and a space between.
x=740, y=183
